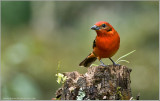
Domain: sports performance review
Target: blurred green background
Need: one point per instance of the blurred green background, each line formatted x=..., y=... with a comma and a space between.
x=37, y=35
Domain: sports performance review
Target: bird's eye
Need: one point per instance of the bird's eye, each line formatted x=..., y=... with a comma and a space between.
x=103, y=25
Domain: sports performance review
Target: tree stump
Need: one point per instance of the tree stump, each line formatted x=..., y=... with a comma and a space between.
x=99, y=83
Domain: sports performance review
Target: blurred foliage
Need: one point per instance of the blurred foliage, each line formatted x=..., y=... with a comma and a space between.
x=36, y=35
x=15, y=13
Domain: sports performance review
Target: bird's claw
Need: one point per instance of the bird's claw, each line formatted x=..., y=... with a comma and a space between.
x=103, y=65
x=116, y=64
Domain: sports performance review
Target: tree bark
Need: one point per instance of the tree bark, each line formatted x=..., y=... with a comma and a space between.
x=99, y=83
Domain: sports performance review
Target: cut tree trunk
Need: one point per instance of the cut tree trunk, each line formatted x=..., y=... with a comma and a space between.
x=99, y=83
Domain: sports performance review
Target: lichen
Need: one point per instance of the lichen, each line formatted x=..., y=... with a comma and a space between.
x=81, y=94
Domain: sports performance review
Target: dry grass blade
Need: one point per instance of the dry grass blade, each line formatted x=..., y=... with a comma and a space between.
x=124, y=56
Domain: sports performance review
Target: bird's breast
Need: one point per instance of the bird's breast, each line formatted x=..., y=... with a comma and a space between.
x=106, y=46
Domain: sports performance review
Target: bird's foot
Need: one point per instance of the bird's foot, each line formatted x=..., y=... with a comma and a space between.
x=102, y=64
x=116, y=64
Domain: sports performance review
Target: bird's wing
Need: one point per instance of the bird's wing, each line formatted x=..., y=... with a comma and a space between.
x=94, y=43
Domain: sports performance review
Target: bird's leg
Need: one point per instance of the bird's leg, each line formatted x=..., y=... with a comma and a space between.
x=114, y=63
x=102, y=64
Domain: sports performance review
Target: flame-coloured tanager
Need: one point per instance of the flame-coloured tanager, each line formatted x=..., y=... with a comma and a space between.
x=105, y=45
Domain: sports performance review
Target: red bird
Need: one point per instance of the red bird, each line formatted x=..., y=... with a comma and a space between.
x=105, y=45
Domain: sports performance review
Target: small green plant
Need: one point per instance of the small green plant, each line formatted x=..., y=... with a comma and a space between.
x=60, y=77
x=119, y=59
x=119, y=93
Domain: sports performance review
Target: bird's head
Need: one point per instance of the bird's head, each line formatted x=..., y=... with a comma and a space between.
x=103, y=28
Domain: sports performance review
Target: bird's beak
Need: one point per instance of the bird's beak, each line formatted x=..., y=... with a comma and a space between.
x=95, y=27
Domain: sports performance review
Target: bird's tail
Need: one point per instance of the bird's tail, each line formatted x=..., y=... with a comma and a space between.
x=88, y=60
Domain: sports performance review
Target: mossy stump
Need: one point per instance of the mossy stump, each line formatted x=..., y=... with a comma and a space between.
x=99, y=83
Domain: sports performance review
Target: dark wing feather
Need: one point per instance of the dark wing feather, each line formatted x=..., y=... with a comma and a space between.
x=94, y=43
x=88, y=60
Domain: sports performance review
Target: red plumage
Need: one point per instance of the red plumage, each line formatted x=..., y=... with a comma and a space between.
x=105, y=45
